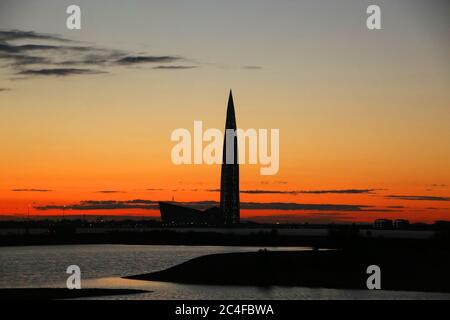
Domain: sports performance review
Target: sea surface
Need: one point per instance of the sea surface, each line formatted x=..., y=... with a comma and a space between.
x=102, y=266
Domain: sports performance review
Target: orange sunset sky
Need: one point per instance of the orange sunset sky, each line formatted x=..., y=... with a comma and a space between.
x=364, y=116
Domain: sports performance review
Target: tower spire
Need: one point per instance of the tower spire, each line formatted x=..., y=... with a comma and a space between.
x=229, y=184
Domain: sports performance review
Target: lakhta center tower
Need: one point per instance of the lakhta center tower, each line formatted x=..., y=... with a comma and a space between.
x=229, y=182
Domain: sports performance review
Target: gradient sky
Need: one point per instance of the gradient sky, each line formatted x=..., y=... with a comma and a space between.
x=364, y=116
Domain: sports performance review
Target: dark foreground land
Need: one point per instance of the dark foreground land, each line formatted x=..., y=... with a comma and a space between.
x=403, y=269
x=60, y=293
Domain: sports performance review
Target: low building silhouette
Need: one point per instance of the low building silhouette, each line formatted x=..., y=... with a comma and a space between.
x=176, y=215
x=383, y=224
x=401, y=224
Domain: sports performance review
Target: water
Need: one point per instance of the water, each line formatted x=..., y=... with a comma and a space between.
x=103, y=265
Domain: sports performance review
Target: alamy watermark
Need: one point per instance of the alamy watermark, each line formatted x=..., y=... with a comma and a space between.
x=374, y=280
x=74, y=280
x=253, y=147
x=73, y=20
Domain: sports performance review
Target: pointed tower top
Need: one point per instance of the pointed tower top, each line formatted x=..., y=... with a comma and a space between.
x=231, y=118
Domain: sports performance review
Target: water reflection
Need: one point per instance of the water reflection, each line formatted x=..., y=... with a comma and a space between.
x=103, y=265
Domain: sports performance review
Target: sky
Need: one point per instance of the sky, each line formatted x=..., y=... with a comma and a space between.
x=364, y=115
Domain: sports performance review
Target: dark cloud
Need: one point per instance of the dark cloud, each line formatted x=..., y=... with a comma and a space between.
x=31, y=190
x=175, y=67
x=51, y=52
x=316, y=217
x=10, y=35
x=274, y=182
x=301, y=206
x=5, y=47
x=252, y=67
x=258, y=191
x=109, y=191
x=146, y=59
x=5, y=89
x=342, y=191
x=152, y=205
x=418, y=198
x=62, y=72
x=90, y=54
x=95, y=58
x=62, y=49
x=69, y=49
x=295, y=206
x=20, y=60
x=141, y=201
x=104, y=205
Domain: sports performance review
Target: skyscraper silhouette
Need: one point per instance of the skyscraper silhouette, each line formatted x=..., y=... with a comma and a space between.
x=229, y=212
x=229, y=182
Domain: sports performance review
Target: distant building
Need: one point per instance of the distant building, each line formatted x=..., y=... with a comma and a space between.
x=229, y=211
x=401, y=224
x=442, y=225
x=383, y=224
x=176, y=215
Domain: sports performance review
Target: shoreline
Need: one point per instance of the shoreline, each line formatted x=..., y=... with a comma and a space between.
x=61, y=293
x=411, y=270
x=258, y=238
